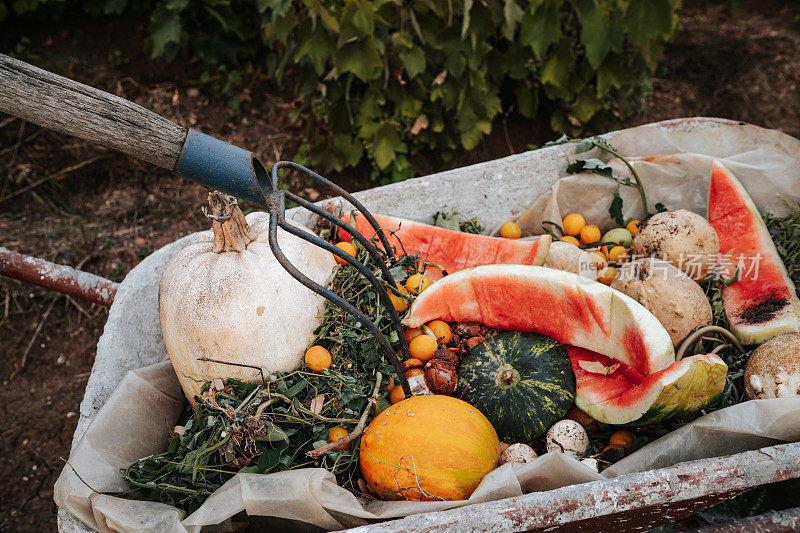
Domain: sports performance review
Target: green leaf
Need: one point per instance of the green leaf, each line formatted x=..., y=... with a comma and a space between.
x=386, y=144
x=465, y=22
x=362, y=58
x=512, y=15
x=610, y=75
x=269, y=459
x=328, y=21
x=527, y=102
x=646, y=20
x=413, y=62
x=615, y=209
x=165, y=29
x=540, y=27
x=600, y=34
x=356, y=22
x=317, y=47
x=594, y=166
x=559, y=66
x=586, y=105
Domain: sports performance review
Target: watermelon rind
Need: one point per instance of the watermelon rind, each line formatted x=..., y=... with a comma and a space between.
x=678, y=392
x=538, y=392
x=737, y=296
x=453, y=250
x=570, y=308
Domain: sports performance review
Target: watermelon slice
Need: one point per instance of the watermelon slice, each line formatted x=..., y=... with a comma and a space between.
x=562, y=305
x=454, y=250
x=624, y=396
x=763, y=302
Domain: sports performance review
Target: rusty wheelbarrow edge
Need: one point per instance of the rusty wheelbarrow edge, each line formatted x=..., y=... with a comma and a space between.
x=673, y=492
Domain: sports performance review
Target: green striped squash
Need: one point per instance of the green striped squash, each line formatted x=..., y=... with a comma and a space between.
x=523, y=382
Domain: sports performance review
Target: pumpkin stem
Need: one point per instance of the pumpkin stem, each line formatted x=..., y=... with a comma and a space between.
x=231, y=232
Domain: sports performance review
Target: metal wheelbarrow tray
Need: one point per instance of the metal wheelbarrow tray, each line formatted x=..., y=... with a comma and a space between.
x=634, y=502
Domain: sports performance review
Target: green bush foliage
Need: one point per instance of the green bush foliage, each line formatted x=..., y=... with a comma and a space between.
x=400, y=82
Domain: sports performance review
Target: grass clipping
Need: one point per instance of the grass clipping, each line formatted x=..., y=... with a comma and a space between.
x=278, y=425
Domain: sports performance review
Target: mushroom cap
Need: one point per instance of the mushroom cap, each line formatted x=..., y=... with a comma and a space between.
x=773, y=370
x=517, y=453
x=683, y=238
x=676, y=300
x=569, y=437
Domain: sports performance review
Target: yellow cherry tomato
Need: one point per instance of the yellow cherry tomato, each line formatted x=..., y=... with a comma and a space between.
x=622, y=438
x=570, y=239
x=318, y=358
x=423, y=347
x=573, y=224
x=396, y=394
x=347, y=248
x=510, y=230
x=590, y=234
x=337, y=433
x=399, y=303
x=411, y=333
x=416, y=283
x=441, y=330
x=607, y=275
x=617, y=254
x=633, y=227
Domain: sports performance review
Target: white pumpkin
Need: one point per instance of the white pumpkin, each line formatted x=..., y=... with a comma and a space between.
x=225, y=297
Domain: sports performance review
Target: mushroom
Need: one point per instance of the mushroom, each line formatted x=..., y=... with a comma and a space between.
x=677, y=301
x=681, y=237
x=517, y=453
x=569, y=437
x=773, y=370
x=568, y=257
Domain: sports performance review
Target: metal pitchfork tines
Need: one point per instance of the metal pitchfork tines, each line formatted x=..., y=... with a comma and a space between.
x=63, y=105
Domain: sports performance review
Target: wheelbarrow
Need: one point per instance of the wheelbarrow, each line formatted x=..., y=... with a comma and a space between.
x=633, y=502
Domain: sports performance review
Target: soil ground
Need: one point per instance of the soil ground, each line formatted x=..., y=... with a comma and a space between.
x=104, y=212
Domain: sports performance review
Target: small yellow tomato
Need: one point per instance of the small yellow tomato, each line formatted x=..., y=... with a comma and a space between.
x=423, y=347
x=347, y=248
x=399, y=303
x=590, y=234
x=573, y=224
x=396, y=394
x=617, y=254
x=416, y=283
x=622, y=438
x=510, y=230
x=441, y=330
x=318, y=358
x=570, y=239
x=337, y=433
x=633, y=227
x=411, y=333
x=607, y=275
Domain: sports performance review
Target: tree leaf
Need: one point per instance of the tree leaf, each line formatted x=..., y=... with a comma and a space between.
x=512, y=15
x=559, y=66
x=362, y=58
x=356, y=21
x=646, y=20
x=413, y=62
x=540, y=27
x=165, y=29
x=527, y=102
x=600, y=33
x=386, y=144
x=615, y=209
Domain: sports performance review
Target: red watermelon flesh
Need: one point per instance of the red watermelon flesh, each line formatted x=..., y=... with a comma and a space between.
x=763, y=302
x=561, y=305
x=454, y=250
x=625, y=396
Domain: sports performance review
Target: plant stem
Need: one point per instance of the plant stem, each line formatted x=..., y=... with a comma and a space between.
x=605, y=145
